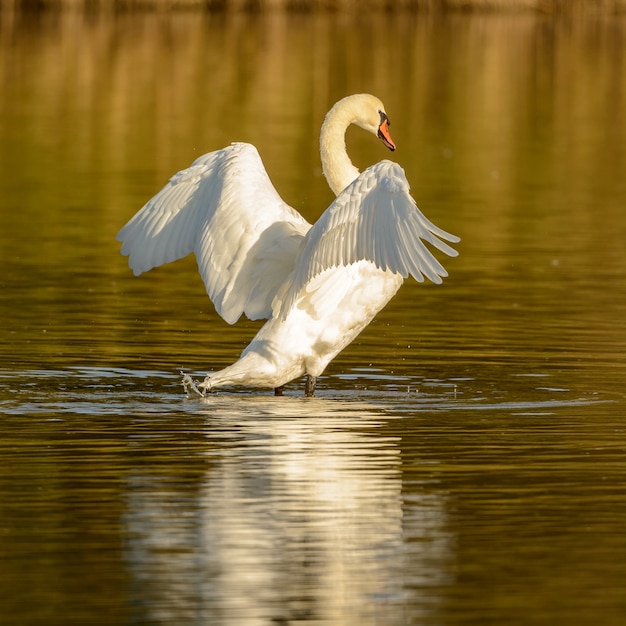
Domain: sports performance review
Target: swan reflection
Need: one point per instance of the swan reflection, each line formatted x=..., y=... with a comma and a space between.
x=300, y=518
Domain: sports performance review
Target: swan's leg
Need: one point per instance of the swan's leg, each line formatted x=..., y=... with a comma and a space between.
x=278, y=391
x=189, y=383
x=309, y=386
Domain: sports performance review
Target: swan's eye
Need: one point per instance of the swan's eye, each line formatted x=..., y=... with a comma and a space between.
x=384, y=118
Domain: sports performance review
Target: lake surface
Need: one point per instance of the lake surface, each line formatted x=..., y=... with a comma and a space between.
x=464, y=461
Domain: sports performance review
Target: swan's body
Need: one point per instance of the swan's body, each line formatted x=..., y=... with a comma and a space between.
x=319, y=286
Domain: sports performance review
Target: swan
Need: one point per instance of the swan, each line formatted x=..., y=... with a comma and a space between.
x=317, y=285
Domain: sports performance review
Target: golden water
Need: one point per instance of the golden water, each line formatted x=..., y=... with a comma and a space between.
x=465, y=461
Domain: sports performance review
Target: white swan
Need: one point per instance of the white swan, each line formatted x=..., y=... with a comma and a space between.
x=319, y=286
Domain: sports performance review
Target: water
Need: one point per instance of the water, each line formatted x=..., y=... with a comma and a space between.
x=465, y=459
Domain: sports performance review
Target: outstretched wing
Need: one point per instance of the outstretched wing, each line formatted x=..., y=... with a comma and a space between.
x=373, y=219
x=224, y=209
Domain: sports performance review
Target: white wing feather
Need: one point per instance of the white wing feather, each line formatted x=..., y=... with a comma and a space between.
x=373, y=219
x=224, y=209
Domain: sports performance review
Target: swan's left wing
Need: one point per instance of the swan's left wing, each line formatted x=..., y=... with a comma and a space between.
x=373, y=219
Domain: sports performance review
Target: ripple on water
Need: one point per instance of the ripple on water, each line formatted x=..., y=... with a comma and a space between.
x=109, y=391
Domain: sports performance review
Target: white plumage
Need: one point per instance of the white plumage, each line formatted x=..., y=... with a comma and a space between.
x=318, y=286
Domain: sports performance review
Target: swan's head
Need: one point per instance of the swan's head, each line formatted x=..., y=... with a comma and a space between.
x=369, y=114
x=363, y=110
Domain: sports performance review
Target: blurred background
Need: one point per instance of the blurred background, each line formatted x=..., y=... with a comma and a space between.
x=464, y=462
x=510, y=128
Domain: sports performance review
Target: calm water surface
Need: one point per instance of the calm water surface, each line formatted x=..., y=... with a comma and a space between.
x=465, y=459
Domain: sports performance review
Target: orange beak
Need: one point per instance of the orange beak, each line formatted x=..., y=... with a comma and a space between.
x=385, y=137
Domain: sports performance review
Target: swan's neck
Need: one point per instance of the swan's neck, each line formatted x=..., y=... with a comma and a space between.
x=336, y=164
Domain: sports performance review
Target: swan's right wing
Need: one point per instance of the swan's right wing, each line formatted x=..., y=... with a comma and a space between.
x=224, y=209
x=374, y=219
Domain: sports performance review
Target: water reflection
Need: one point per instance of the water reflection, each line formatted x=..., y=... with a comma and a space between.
x=296, y=519
x=383, y=506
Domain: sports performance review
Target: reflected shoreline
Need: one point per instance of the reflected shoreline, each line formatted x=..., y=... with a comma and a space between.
x=549, y=7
